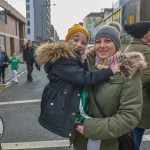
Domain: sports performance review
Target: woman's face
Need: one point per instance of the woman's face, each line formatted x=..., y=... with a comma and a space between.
x=79, y=41
x=104, y=48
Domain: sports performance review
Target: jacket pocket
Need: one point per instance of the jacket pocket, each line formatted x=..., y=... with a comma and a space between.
x=48, y=95
x=65, y=92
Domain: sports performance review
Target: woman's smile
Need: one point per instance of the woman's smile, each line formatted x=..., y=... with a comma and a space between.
x=103, y=52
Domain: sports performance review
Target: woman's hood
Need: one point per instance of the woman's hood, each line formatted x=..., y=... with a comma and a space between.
x=51, y=52
x=132, y=62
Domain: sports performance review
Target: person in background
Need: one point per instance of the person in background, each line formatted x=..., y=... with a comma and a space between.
x=29, y=59
x=63, y=62
x=23, y=46
x=14, y=62
x=140, y=32
x=120, y=98
x=3, y=65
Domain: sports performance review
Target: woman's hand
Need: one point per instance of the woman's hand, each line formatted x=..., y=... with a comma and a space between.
x=115, y=69
x=80, y=128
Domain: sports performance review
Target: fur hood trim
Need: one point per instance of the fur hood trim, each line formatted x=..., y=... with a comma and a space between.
x=51, y=52
x=132, y=62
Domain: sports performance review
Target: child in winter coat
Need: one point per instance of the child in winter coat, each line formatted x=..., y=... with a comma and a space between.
x=14, y=62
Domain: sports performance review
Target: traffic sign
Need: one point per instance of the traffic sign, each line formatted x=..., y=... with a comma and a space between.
x=131, y=19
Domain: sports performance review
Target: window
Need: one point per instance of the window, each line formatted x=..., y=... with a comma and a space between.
x=28, y=15
x=2, y=15
x=27, y=7
x=89, y=21
x=29, y=31
x=28, y=23
x=2, y=42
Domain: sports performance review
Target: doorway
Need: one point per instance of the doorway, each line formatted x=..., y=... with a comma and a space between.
x=12, y=47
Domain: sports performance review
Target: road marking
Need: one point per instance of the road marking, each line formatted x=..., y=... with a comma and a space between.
x=146, y=138
x=4, y=86
x=44, y=144
x=20, y=102
x=32, y=145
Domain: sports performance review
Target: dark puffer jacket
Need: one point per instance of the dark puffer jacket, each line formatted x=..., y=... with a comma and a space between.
x=4, y=60
x=67, y=77
x=28, y=54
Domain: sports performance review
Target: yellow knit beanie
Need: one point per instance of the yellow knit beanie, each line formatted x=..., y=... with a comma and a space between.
x=74, y=29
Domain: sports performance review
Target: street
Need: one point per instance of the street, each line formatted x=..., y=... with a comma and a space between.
x=20, y=108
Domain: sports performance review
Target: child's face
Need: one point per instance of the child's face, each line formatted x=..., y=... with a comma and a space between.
x=79, y=41
x=14, y=55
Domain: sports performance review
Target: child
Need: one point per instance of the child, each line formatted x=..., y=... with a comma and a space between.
x=14, y=61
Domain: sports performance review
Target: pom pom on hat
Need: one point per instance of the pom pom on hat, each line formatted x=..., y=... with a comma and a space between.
x=137, y=30
x=117, y=25
x=76, y=28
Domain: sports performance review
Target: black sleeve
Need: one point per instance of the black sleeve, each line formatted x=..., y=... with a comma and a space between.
x=24, y=54
x=72, y=72
x=6, y=58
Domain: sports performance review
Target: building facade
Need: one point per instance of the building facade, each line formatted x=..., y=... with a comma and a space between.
x=12, y=28
x=144, y=10
x=38, y=19
x=128, y=12
x=90, y=21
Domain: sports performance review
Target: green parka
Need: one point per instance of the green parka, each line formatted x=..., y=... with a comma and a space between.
x=139, y=46
x=121, y=100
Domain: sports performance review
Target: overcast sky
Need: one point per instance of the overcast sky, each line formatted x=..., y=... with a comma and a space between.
x=67, y=12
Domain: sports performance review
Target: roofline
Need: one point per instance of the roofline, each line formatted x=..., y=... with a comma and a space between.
x=12, y=11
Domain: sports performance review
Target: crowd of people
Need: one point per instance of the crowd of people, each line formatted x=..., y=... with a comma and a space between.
x=95, y=95
x=28, y=58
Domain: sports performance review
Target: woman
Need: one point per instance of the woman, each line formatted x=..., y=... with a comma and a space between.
x=141, y=33
x=3, y=65
x=67, y=76
x=120, y=98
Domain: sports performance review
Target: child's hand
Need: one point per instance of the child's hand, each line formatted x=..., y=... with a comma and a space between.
x=80, y=128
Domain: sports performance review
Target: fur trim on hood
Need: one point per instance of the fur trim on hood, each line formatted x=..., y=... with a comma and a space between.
x=51, y=52
x=132, y=62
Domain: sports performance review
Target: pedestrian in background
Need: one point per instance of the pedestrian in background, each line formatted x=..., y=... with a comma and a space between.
x=3, y=65
x=67, y=77
x=140, y=31
x=14, y=62
x=120, y=98
x=29, y=59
